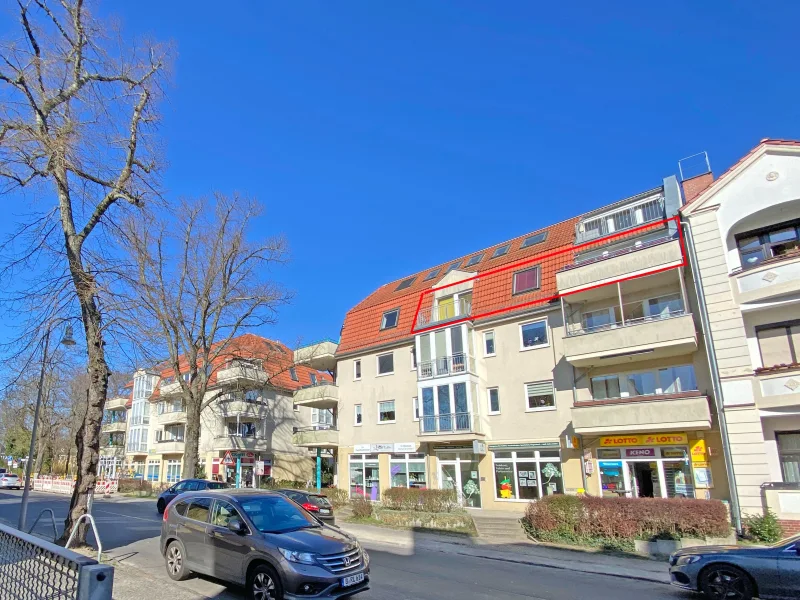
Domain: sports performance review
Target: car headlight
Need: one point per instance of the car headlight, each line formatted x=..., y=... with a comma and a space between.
x=688, y=559
x=304, y=558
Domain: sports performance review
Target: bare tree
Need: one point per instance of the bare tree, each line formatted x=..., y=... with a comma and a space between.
x=76, y=117
x=200, y=283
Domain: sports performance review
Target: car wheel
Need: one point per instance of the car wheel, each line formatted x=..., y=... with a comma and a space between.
x=264, y=584
x=175, y=558
x=161, y=506
x=725, y=582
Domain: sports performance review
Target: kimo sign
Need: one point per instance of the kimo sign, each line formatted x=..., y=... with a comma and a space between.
x=644, y=439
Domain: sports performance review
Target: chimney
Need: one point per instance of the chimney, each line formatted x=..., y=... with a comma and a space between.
x=695, y=186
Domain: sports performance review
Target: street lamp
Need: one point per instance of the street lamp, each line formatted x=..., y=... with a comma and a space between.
x=66, y=340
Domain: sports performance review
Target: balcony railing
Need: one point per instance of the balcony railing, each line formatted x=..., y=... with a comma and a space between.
x=585, y=325
x=633, y=247
x=446, y=365
x=140, y=448
x=444, y=312
x=462, y=422
x=621, y=220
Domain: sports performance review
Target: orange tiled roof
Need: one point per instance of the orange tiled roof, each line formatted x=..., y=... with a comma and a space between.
x=491, y=292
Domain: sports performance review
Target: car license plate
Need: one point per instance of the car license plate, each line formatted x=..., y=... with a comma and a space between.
x=324, y=511
x=352, y=580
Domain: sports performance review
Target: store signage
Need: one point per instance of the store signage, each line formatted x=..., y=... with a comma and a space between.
x=405, y=447
x=375, y=448
x=640, y=452
x=478, y=447
x=606, y=453
x=644, y=439
x=698, y=451
x=531, y=445
x=361, y=448
x=572, y=442
x=610, y=464
x=673, y=454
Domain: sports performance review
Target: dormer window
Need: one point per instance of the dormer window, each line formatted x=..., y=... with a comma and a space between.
x=526, y=280
x=293, y=374
x=389, y=319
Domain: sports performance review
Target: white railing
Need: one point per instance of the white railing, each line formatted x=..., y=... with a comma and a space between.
x=621, y=220
x=446, y=365
x=461, y=422
x=632, y=314
x=444, y=312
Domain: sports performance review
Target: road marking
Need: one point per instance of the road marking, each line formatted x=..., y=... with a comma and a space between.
x=108, y=512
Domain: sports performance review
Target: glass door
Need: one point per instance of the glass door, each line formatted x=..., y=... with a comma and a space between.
x=462, y=475
x=428, y=411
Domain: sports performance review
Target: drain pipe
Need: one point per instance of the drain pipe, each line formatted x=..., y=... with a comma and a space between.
x=715, y=380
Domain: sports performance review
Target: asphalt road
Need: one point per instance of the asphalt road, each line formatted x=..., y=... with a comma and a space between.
x=130, y=530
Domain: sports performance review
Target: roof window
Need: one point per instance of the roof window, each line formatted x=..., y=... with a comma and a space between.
x=405, y=283
x=501, y=251
x=431, y=275
x=474, y=260
x=390, y=318
x=532, y=240
x=454, y=266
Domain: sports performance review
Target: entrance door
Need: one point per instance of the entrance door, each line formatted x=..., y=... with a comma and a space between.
x=461, y=474
x=644, y=479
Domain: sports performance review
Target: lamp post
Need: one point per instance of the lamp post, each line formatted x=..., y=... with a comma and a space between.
x=67, y=340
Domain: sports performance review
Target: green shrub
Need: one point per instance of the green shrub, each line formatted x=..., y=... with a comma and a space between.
x=362, y=508
x=139, y=486
x=418, y=499
x=764, y=528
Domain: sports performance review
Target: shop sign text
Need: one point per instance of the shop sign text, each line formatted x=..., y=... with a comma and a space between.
x=644, y=439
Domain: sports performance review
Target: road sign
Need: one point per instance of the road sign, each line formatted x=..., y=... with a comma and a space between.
x=228, y=460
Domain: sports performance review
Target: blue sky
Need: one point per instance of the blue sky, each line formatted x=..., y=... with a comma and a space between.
x=385, y=137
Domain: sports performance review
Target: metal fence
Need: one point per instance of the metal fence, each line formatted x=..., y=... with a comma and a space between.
x=33, y=569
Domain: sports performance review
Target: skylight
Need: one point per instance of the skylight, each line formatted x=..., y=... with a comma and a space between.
x=431, y=275
x=532, y=240
x=390, y=318
x=405, y=283
x=474, y=260
x=453, y=266
x=502, y=250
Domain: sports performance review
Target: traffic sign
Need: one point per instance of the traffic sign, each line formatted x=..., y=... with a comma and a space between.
x=228, y=460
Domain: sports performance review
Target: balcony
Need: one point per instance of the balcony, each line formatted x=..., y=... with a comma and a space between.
x=140, y=448
x=169, y=446
x=238, y=442
x=242, y=408
x=444, y=312
x=116, y=403
x=113, y=450
x=114, y=427
x=456, y=364
x=455, y=426
x=324, y=396
x=778, y=387
x=319, y=355
x=169, y=388
x=669, y=412
x=638, y=212
x=171, y=417
x=316, y=437
x=627, y=262
x=770, y=280
x=242, y=372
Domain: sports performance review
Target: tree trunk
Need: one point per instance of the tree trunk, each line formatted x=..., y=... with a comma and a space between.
x=88, y=437
x=191, y=448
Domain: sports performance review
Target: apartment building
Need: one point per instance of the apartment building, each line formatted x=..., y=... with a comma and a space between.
x=745, y=232
x=250, y=417
x=563, y=360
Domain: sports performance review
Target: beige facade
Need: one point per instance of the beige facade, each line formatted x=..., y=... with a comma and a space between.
x=744, y=229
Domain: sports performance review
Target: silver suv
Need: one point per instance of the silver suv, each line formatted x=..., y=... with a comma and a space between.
x=263, y=541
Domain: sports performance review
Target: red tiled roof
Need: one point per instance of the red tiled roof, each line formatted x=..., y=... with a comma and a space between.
x=764, y=142
x=491, y=292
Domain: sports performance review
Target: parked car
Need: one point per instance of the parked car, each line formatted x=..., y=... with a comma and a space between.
x=263, y=541
x=10, y=481
x=317, y=504
x=187, y=485
x=723, y=572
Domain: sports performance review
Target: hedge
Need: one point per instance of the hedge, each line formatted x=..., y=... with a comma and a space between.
x=617, y=522
x=418, y=499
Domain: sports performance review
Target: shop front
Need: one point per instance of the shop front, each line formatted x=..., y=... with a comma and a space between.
x=459, y=470
x=241, y=469
x=526, y=471
x=372, y=468
x=653, y=465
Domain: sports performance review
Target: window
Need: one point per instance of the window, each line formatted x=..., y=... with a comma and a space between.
x=532, y=240
x=501, y=251
x=641, y=384
x=670, y=380
x=386, y=364
x=534, y=334
x=779, y=240
x=673, y=380
x=390, y=318
x=253, y=396
x=223, y=513
x=779, y=343
x=153, y=468
x=606, y=386
x=364, y=476
x=358, y=420
x=525, y=475
x=540, y=396
x=322, y=417
x=173, y=471
x=488, y=343
x=413, y=358
x=293, y=374
x=789, y=455
x=415, y=406
x=453, y=266
x=474, y=260
x=405, y=284
x=242, y=429
x=494, y=401
x=408, y=470
x=526, y=281
x=386, y=412
x=313, y=378
x=431, y=275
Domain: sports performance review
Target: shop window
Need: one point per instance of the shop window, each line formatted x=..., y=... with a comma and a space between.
x=527, y=474
x=364, y=476
x=153, y=468
x=789, y=455
x=173, y=471
x=540, y=396
x=407, y=470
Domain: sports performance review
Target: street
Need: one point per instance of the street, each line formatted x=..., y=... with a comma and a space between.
x=129, y=530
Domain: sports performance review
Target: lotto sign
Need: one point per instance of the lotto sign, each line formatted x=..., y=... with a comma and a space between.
x=644, y=439
x=699, y=451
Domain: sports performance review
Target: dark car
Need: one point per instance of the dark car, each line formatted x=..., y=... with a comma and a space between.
x=263, y=541
x=723, y=572
x=187, y=485
x=317, y=504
